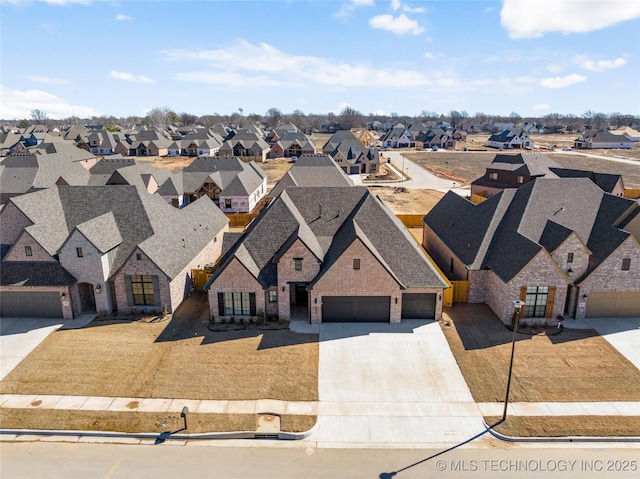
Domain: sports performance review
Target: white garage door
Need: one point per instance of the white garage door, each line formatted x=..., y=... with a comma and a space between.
x=613, y=305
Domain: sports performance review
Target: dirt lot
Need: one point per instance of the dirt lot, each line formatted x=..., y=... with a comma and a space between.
x=575, y=365
x=472, y=165
x=407, y=201
x=179, y=358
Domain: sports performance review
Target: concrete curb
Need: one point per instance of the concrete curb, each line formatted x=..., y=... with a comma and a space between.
x=162, y=437
x=506, y=438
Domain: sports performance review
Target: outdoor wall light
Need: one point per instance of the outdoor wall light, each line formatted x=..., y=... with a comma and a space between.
x=584, y=296
x=283, y=289
x=439, y=297
x=98, y=289
x=63, y=295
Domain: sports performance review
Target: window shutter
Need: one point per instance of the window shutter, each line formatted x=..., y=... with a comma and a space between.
x=550, y=299
x=128, y=290
x=523, y=298
x=220, y=304
x=252, y=304
x=156, y=291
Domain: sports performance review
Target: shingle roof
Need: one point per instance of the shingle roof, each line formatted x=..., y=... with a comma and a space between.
x=34, y=273
x=540, y=214
x=233, y=176
x=328, y=220
x=312, y=170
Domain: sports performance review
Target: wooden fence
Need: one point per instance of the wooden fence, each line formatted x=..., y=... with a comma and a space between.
x=199, y=278
x=460, y=291
x=632, y=193
x=411, y=221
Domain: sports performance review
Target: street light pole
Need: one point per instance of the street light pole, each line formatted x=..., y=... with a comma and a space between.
x=517, y=304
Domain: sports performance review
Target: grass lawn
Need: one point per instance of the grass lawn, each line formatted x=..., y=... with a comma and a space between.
x=573, y=366
x=178, y=358
x=563, y=426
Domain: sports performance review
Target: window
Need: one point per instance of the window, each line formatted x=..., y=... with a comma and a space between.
x=79, y=252
x=536, y=301
x=273, y=296
x=138, y=257
x=520, y=179
x=451, y=265
x=298, y=263
x=570, y=258
x=142, y=289
x=493, y=176
x=356, y=263
x=237, y=303
x=626, y=264
x=227, y=203
x=28, y=251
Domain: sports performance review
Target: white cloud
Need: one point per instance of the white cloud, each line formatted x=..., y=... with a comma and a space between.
x=598, y=65
x=62, y=3
x=347, y=9
x=429, y=55
x=395, y=5
x=123, y=18
x=534, y=18
x=48, y=80
x=540, y=107
x=18, y=104
x=130, y=77
x=399, y=25
x=265, y=65
x=554, y=68
x=562, y=82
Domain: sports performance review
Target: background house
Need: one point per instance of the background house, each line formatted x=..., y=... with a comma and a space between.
x=602, y=139
x=350, y=154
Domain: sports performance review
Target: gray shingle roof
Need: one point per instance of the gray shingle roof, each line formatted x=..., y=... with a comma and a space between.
x=233, y=176
x=312, y=170
x=540, y=214
x=34, y=273
x=328, y=220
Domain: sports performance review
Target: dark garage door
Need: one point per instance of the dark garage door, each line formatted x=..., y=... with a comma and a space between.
x=418, y=306
x=30, y=304
x=356, y=308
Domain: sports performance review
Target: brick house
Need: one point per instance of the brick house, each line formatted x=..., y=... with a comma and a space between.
x=562, y=245
x=351, y=155
x=513, y=171
x=326, y=254
x=235, y=186
x=510, y=138
x=75, y=250
x=312, y=170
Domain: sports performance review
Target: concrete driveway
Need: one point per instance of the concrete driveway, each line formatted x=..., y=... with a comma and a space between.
x=20, y=336
x=622, y=333
x=383, y=384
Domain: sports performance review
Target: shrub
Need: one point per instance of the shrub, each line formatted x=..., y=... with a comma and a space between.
x=232, y=319
x=223, y=320
x=165, y=311
x=250, y=320
x=283, y=320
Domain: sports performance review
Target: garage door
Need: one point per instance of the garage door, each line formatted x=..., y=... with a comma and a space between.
x=613, y=305
x=356, y=308
x=418, y=306
x=30, y=304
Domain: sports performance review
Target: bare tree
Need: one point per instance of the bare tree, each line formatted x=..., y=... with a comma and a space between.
x=39, y=116
x=187, y=118
x=273, y=117
x=160, y=117
x=350, y=118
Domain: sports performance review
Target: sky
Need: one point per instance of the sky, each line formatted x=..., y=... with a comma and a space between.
x=121, y=58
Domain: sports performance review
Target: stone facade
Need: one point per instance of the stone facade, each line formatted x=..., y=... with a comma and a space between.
x=142, y=266
x=580, y=261
x=89, y=268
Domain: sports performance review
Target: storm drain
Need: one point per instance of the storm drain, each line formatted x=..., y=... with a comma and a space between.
x=268, y=426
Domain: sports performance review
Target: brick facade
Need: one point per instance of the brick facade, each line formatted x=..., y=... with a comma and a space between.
x=142, y=266
x=372, y=279
x=235, y=279
x=287, y=274
x=609, y=276
x=17, y=252
x=12, y=223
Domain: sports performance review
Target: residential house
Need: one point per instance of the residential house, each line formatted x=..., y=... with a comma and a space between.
x=312, y=170
x=510, y=138
x=103, y=142
x=350, y=154
x=436, y=138
x=245, y=144
x=27, y=172
x=630, y=133
x=77, y=250
x=326, y=254
x=562, y=245
x=398, y=137
x=602, y=139
x=144, y=143
x=123, y=171
x=514, y=171
x=293, y=143
x=276, y=133
x=66, y=150
x=235, y=186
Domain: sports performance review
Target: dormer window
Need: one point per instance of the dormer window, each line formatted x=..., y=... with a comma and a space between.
x=493, y=176
x=569, y=257
x=28, y=251
x=520, y=179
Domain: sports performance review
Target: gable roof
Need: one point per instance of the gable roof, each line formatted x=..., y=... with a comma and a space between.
x=312, y=170
x=540, y=214
x=327, y=221
x=233, y=176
